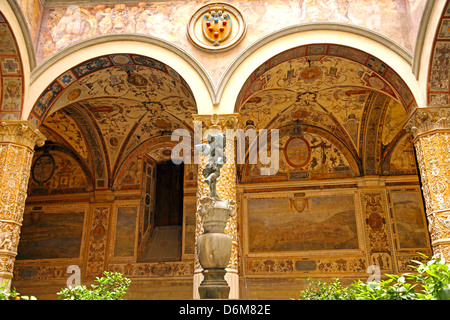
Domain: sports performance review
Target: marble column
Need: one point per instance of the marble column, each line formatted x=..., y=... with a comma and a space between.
x=226, y=189
x=430, y=128
x=17, y=141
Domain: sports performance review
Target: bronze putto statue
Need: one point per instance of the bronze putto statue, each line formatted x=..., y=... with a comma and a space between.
x=215, y=150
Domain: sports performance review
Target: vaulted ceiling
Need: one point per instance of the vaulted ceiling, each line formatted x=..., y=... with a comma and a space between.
x=341, y=103
x=104, y=113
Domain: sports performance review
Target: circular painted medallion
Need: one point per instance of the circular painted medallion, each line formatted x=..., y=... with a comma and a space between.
x=310, y=73
x=216, y=27
x=297, y=152
x=43, y=168
x=73, y=94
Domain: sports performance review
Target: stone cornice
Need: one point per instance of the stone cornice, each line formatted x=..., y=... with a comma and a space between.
x=428, y=120
x=20, y=132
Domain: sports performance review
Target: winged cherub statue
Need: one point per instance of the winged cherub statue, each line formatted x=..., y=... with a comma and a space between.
x=215, y=150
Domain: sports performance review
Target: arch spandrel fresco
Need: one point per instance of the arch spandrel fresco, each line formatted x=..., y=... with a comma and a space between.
x=62, y=26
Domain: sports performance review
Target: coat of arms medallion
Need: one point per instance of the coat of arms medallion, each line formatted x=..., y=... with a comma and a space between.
x=216, y=27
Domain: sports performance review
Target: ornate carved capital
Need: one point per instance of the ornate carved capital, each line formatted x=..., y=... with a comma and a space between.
x=428, y=120
x=219, y=122
x=20, y=132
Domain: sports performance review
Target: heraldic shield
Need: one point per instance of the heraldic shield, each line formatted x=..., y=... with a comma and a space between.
x=216, y=24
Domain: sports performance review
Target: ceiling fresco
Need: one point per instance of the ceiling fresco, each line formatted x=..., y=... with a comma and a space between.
x=111, y=105
x=354, y=67
x=342, y=106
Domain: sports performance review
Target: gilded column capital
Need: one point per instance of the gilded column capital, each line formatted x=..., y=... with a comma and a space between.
x=220, y=122
x=428, y=120
x=20, y=132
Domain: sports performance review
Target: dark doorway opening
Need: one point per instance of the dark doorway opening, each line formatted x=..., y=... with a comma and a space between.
x=169, y=194
x=165, y=240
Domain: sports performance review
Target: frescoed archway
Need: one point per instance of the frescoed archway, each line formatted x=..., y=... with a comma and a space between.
x=343, y=92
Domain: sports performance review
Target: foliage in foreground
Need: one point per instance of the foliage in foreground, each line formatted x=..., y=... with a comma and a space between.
x=112, y=286
x=431, y=281
x=7, y=294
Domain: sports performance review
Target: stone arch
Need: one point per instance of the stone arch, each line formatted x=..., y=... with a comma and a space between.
x=178, y=61
x=13, y=13
x=378, y=66
x=384, y=93
x=113, y=88
x=50, y=99
x=356, y=38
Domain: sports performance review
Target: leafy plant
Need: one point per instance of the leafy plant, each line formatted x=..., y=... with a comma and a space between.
x=7, y=294
x=394, y=288
x=112, y=286
x=432, y=279
x=321, y=290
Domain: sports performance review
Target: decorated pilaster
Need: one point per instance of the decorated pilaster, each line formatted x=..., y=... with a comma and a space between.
x=431, y=131
x=226, y=190
x=17, y=141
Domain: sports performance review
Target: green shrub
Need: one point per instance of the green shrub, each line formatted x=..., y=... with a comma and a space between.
x=434, y=277
x=394, y=288
x=112, y=286
x=7, y=294
x=431, y=279
x=321, y=290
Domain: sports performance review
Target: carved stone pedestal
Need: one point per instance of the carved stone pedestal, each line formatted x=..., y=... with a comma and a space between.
x=214, y=285
x=214, y=247
x=214, y=253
